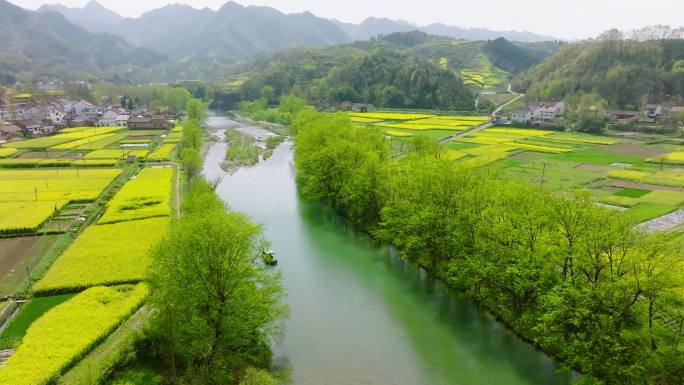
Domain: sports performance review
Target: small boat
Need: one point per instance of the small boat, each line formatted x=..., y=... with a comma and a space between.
x=268, y=256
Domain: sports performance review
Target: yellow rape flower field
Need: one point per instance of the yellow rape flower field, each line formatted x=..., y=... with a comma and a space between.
x=105, y=255
x=68, y=332
x=164, y=152
x=51, y=185
x=398, y=133
x=389, y=115
x=69, y=135
x=5, y=152
x=26, y=216
x=80, y=142
x=146, y=196
x=28, y=198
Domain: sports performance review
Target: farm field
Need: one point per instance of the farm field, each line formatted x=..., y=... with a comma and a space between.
x=600, y=165
x=81, y=135
x=68, y=331
x=146, y=196
x=639, y=177
x=405, y=125
x=22, y=253
x=56, y=186
x=482, y=74
x=114, y=253
x=27, y=314
x=89, y=147
x=29, y=197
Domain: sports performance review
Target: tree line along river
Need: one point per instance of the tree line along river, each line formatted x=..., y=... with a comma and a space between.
x=359, y=314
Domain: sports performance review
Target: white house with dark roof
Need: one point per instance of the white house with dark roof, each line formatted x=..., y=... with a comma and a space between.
x=108, y=119
x=122, y=120
x=521, y=116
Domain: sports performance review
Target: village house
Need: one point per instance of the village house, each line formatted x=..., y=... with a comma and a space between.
x=653, y=111
x=35, y=113
x=81, y=121
x=356, y=107
x=108, y=119
x=150, y=122
x=15, y=111
x=547, y=111
x=521, y=116
x=539, y=113
x=9, y=131
x=54, y=115
x=122, y=120
x=30, y=127
x=624, y=116
x=84, y=108
x=49, y=87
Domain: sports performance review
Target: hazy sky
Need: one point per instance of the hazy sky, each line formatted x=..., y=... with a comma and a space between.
x=567, y=19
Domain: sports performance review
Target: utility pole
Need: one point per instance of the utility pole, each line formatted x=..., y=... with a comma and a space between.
x=541, y=182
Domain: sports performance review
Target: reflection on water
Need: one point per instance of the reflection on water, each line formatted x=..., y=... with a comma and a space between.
x=359, y=314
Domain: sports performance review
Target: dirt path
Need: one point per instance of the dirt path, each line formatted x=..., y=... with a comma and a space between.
x=510, y=91
x=467, y=132
x=178, y=191
x=665, y=222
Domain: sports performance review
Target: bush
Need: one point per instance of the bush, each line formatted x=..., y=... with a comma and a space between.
x=257, y=377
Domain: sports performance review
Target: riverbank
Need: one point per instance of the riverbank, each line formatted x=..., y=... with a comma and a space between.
x=356, y=304
x=528, y=254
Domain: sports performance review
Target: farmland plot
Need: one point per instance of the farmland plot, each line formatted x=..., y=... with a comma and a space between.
x=146, y=196
x=104, y=255
x=67, y=332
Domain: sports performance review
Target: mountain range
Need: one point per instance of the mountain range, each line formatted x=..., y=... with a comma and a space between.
x=40, y=44
x=235, y=31
x=173, y=42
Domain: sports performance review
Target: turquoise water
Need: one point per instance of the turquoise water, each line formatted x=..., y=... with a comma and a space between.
x=359, y=314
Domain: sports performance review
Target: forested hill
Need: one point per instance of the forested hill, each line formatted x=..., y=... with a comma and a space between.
x=46, y=45
x=401, y=70
x=626, y=73
x=378, y=72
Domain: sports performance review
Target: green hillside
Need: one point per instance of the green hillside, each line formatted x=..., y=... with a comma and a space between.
x=624, y=73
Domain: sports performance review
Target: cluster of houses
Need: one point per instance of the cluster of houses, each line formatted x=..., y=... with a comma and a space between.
x=548, y=113
x=22, y=116
x=651, y=114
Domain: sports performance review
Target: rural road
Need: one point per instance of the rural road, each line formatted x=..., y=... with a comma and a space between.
x=484, y=125
x=481, y=126
x=510, y=91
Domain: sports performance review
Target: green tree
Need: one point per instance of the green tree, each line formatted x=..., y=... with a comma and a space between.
x=192, y=135
x=196, y=110
x=268, y=93
x=217, y=307
x=191, y=161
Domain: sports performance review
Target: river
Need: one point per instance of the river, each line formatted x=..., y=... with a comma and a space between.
x=359, y=314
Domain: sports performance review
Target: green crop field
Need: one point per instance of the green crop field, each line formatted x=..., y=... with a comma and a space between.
x=27, y=314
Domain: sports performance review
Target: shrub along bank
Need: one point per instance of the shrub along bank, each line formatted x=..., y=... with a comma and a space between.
x=575, y=279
